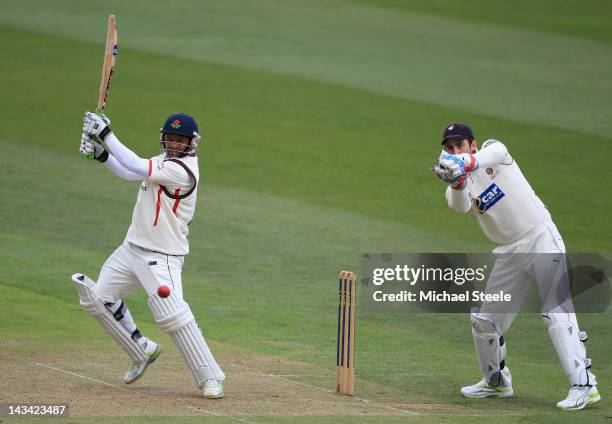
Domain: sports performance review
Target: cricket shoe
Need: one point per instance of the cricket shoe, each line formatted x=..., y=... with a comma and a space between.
x=213, y=389
x=579, y=397
x=139, y=367
x=482, y=390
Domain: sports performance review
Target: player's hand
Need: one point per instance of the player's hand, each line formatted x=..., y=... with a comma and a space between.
x=98, y=126
x=443, y=173
x=451, y=169
x=91, y=145
x=453, y=165
x=465, y=161
x=450, y=174
x=469, y=161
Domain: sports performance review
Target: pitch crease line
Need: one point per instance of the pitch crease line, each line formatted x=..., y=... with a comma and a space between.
x=329, y=391
x=84, y=377
x=220, y=414
x=363, y=375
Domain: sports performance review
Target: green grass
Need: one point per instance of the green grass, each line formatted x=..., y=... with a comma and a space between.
x=320, y=122
x=575, y=18
x=504, y=71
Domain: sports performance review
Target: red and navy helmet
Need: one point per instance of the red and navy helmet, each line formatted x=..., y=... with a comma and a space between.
x=184, y=125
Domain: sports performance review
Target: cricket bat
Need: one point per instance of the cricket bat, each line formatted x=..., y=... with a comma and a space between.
x=108, y=67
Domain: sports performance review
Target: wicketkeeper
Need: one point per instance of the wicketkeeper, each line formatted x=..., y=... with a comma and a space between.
x=489, y=183
x=154, y=249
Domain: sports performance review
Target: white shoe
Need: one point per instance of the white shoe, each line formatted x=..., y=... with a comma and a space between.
x=483, y=390
x=138, y=368
x=579, y=397
x=213, y=389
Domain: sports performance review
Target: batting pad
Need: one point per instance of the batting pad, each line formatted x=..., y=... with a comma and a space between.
x=94, y=307
x=567, y=339
x=175, y=318
x=490, y=348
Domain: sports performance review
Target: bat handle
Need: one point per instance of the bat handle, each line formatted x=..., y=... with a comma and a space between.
x=99, y=112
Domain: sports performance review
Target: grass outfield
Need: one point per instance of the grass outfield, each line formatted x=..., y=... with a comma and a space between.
x=320, y=121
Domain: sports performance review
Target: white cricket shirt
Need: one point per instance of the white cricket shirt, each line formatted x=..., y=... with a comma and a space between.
x=500, y=197
x=161, y=216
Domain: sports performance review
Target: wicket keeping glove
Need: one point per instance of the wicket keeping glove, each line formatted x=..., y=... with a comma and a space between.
x=450, y=174
x=91, y=145
x=443, y=173
x=454, y=168
x=96, y=125
x=465, y=161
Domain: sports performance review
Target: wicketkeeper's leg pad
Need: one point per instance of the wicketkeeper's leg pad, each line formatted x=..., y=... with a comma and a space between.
x=569, y=344
x=95, y=307
x=491, y=350
x=174, y=317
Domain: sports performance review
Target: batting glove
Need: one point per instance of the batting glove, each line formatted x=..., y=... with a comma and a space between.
x=96, y=125
x=91, y=145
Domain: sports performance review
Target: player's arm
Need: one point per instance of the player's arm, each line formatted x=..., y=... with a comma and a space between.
x=90, y=145
x=458, y=199
x=492, y=152
x=114, y=165
x=99, y=127
x=172, y=174
x=452, y=170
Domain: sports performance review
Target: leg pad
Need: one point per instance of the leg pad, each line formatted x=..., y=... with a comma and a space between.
x=94, y=307
x=491, y=350
x=174, y=317
x=569, y=344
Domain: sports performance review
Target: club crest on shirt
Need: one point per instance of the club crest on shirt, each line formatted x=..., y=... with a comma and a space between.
x=488, y=198
x=491, y=173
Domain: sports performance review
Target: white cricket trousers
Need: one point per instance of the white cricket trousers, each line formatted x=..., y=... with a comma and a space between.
x=130, y=267
x=539, y=256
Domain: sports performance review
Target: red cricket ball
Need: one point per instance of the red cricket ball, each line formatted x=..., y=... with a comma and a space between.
x=163, y=291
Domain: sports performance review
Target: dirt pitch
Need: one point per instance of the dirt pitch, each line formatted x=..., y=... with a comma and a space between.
x=256, y=387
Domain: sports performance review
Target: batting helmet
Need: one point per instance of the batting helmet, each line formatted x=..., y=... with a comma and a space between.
x=184, y=125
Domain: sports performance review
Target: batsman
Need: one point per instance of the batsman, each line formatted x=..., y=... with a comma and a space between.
x=489, y=184
x=154, y=249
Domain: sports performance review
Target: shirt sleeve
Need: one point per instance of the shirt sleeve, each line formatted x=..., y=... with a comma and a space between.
x=125, y=174
x=493, y=152
x=168, y=173
x=459, y=200
x=128, y=159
